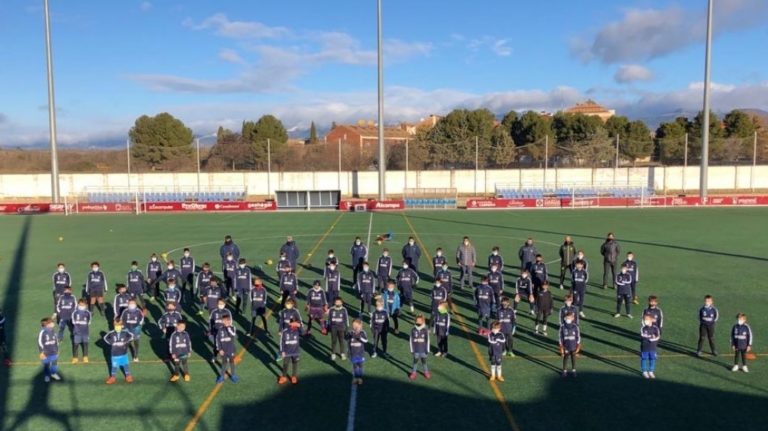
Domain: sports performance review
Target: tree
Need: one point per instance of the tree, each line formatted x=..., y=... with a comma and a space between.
x=635, y=141
x=230, y=153
x=716, y=136
x=222, y=133
x=509, y=120
x=268, y=127
x=739, y=125
x=312, y=133
x=617, y=126
x=670, y=139
x=159, y=139
x=503, y=151
x=452, y=140
x=529, y=131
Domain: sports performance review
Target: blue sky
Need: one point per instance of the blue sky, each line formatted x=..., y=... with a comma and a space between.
x=221, y=62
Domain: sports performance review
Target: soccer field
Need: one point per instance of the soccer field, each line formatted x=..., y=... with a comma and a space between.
x=683, y=255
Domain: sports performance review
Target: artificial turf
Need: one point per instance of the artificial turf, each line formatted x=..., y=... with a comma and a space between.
x=683, y=255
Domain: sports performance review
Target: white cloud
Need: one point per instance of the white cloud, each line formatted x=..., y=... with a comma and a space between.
x=645, y=34
x=230, y=56
x=224, y=27
x=629, y=73
x=145, y=6
x=498, y=46
x=501, y=48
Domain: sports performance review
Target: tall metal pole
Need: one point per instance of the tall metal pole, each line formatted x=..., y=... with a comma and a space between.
x=382, y=167
x=406, y=163
x=707, y=77
x=55, y=197
x=685, y=161
x=197, y=146
x=616, y=162
x=128, y=158
x=754, y=163
x=339, y=176
x=476, y=164
x=269, y=167
x=546, y=159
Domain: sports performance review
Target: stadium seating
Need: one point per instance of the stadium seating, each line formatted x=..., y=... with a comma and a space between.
x=108, y=197
x=426, y=203
x=561, y=192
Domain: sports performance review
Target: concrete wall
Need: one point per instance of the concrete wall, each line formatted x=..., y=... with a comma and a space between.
x=482, y=182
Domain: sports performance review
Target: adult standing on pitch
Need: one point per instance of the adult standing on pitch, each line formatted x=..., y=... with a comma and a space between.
x=229, y=246
x=466, y=258
x=291, y=251
x=610, y=251
x=412, y=254
x=359, y=254
x=567, y=254
x=527, y=254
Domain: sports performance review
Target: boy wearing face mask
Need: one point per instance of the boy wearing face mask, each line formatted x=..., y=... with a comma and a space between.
x=180, y=347
x=329, y=260
x=48, y=347
x=649, y=339
x=291, y=251
x=81, y=324
x=226, y=337
x=290, y=351
x=380, y=328
x=229, y=268
x=359, y=253
x=443, y=274
x=338, y=320
x=243, y=283
x=132, y=320
x=258, y=306
x=61, y=279
x=135, y=283
x=384, y=267
x=95, y=287
x=632, y=269
x=438, y=295
x=708, y=316
x=579, y=280
x=580, y=258
x=289, y=313
x=419, y=347
x=496, y=343
x=171, y=273
x=544, y=306
x=317, y=307
x=357, y=340
x=187, y=263
x=332, y=279
x=412, y=253
x=484, y=301
x=289, y=285
x=407, y=279
x=366, y=286
x=508, y=321
x=438, y=261
x=441, y=323
x=119, y=341
x=570, y=343
x=496, y=281
x=154, y=272
x=741, y=342
x=623, y=291
x=539, y=273
x=283, y=266
x=122, y=298
x=569, y=308
x=212, y=293
x=654, y=311
x=172, y=294
x=391, y=299
x=169, y=319
x=216, y=322
x=202, y=283
x=64, y=308
x=524, y=289
x=495, y=259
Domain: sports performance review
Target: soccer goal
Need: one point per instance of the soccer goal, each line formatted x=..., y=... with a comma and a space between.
x=430, y=198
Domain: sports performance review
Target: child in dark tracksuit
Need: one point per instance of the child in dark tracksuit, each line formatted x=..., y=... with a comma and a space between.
x=258, y=296
x=419, y=347
x=634, y=271
x=3, y=346
x=338, y=321
x=579, y=280
x=407, y=279
x=741, y=342
x=484, y=300
x=317, y=306
x=118, y=341
x=496, y=281
x=366, y=288
x=570, y=343
x=332, y=282
x=544, y=305
x=289, y=351
x=650, y=335
x=623, y=292
x=357, y=340
x=441, y=324
x=132, y=319
x=243, y=280
x=48, y=346
x=81, y=322
x=496, y=343
x=226, y=337
x=507, y=319
x=439, y=295
x=180, y=347
x=524, y=290
x=380, y=328
x=708, y=316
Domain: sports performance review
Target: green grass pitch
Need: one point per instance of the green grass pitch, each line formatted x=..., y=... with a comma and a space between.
x=683, y=255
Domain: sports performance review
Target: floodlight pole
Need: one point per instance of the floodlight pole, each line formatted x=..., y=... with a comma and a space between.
x=269, y=167
x=197, y=146
x=382, y=167
x=707, y=77
x=754, y=163
x=128, y=159
x=616, y=162
x=55, y=196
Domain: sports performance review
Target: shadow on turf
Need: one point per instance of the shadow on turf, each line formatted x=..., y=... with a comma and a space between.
x=622, y=240
x=595, y=401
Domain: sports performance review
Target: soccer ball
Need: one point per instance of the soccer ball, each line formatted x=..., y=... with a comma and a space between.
x=269, y=262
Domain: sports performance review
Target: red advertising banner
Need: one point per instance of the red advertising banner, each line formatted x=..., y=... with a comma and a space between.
x=209, y=206
x=478, y=204
x=106, y=208
x=373, y=205
x=12, y=208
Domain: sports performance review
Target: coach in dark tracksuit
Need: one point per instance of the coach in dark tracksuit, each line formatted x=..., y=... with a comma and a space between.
x=359, y=253
x=412, y=254
x=229, y=246
x=610, y=251
x=527, y=254
x=291, y=251
x=567, y=254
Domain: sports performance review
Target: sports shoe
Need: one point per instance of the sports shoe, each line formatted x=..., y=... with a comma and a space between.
x=343, y=357
x=234, y=378
x=75, y=360
x=85, y=359
x=651, y=375
x=219, y=380
x=533, y=313
x=111, y=380
x=438, y=354
x=374, y=355
x=413, y=375
x=617, y=315
x=744, y=368
x=698, y=353
x=646, y=375
x=282, y=380
x=397, y=331
x=605, y=286
x=735, y=368
x=428, y=375
x=511, y=354
x=537, y=329
x=174, y=378
x=333, y=356
x=629, y=316
x=500, y=378
x=187, y=377
x=47, y=379
x=359, y=381
x=129, y=379
x=635, y=300
x=714, y=353
x=136, y=359
x=582, y=315
x=411, y=308
x=544, y=332
x=492, y=378
x=294, y=380
x=57, y=377
x=564, y=374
